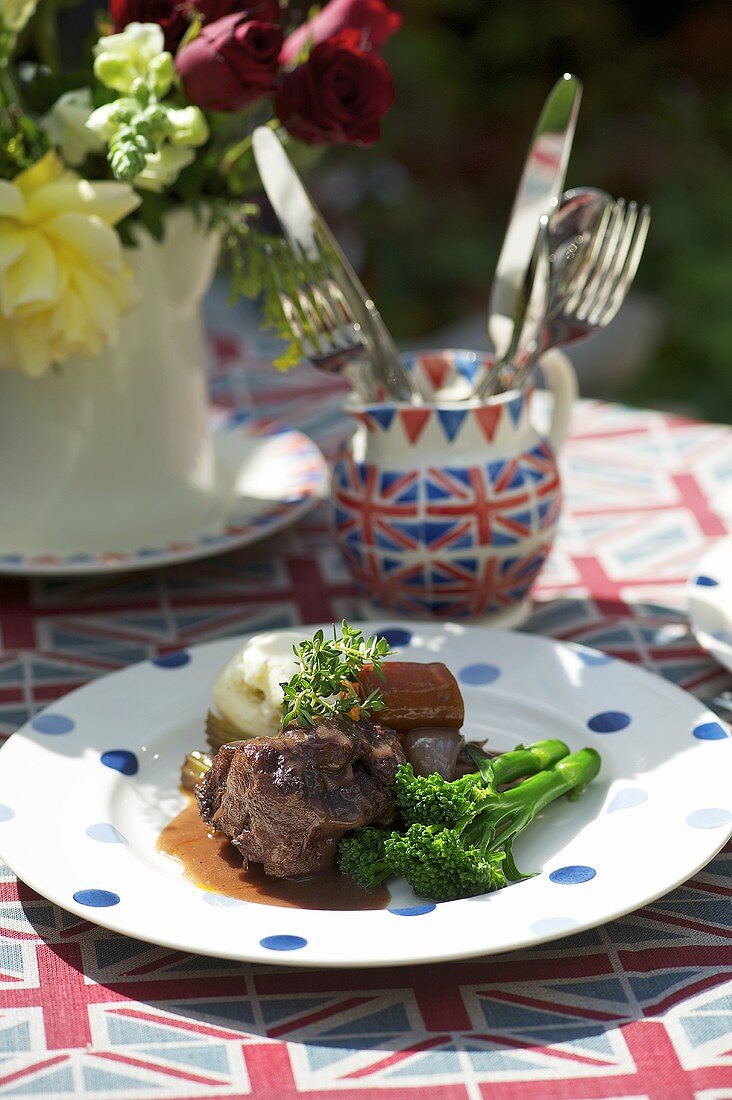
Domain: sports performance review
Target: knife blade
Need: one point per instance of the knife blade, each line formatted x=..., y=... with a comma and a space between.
x=305, y=227
x=539, y=191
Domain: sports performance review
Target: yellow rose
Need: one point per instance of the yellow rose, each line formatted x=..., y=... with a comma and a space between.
x=63, y=277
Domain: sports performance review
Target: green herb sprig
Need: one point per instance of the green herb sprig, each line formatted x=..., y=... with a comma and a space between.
x=326, y=681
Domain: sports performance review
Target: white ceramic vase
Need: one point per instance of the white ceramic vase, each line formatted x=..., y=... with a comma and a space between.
x=118, y=449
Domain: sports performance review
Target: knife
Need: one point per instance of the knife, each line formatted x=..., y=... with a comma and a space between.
x=539, y=192
x=305, y=228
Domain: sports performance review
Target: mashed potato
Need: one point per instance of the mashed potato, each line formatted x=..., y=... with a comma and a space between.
x=247, y=692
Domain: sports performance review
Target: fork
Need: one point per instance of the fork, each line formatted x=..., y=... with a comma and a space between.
x=593, y=298
x=319, y=317
x=589, y=300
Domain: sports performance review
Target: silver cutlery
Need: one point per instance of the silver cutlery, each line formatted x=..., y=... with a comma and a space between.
x=319, y=316
x=308, y=233
x=540, y=187
x=591, y=272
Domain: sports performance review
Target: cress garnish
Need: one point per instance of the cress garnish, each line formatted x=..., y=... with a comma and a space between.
x=326, y=683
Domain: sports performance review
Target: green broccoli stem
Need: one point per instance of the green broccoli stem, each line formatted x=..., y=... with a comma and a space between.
x=511, y=811
x=521, y=762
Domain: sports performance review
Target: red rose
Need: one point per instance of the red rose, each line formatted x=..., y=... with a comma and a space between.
x=231, y=63
x=338, y=95
x=372, y=18
x=170, y=14
x=174, y=16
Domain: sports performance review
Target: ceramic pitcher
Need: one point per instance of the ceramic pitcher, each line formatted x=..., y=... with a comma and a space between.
x=449, y=508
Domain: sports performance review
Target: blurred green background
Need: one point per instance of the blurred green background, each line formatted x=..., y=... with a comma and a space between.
x=423, y=213
x=430, y=203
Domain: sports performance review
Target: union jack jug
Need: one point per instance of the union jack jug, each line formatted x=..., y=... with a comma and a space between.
x=448, y=509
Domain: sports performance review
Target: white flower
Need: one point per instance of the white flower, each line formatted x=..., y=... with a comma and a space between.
x=163, y=168
x=188, y=125
x=14, y=14
x=106, y=120
x=66, y=126
x=122, y=59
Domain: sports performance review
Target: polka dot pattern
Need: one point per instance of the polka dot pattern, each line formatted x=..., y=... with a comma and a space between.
x=283, y=943
x=396, y=636
x=177, y=659
x=712, y=817
x=609, y=721
x=552, y=926
x=593, y=659
x=53, y=723
x=627, y=799
x=105, y=833
x=6, y=812
x=414, y=910
x=479, y=674
x=97, y=899
x=222, y=901
x=709, y=731
x=572, y=875
x=121, y=760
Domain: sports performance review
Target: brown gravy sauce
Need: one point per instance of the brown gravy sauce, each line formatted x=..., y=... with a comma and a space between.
x=213, y=863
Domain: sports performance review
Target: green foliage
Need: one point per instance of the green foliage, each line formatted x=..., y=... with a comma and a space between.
x=327, y=677
x=21, y=142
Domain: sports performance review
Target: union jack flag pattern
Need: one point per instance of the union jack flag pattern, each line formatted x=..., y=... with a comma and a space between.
x=640, y=1009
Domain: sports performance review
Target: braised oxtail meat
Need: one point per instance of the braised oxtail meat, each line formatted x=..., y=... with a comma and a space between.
x=286, y=801
x=415, y=695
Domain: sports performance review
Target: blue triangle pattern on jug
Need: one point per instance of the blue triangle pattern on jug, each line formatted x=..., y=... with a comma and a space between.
x=451, y=421
x=383, y=415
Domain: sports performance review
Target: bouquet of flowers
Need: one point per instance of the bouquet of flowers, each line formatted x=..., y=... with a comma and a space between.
x=160, y=116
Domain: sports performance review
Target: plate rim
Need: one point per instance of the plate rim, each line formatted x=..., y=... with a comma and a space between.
x=128, y=561
x=256, y=954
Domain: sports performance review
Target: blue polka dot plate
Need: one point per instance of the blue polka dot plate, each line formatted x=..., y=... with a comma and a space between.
x=709, y=593
x=265, y=477
x=87, y=785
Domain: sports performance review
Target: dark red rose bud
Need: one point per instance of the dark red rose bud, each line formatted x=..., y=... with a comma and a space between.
x=174, y=16
x=338, y=95
x=372, y=18
x=231, y=63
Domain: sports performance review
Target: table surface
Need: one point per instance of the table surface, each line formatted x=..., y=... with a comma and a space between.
x=641, y=1007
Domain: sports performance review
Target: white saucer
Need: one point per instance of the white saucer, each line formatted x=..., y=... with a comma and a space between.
x=709, y=592
x=267, y=477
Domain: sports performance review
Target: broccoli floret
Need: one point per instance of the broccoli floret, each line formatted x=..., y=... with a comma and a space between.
x=432, y=800
x=361, y=855
x=438, y=866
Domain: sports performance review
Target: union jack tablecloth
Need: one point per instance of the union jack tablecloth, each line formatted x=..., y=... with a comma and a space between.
x=639, y=1008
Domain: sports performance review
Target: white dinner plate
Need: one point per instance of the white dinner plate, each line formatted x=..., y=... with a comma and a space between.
x=88, y=784
x=266, y=478
x=709, y=592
